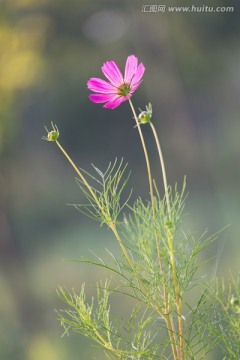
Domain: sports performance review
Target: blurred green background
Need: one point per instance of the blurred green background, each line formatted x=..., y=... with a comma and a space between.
x=48, y=51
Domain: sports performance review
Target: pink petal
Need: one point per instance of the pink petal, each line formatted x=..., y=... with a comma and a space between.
x=130, y=68
x=112, y=104
x=112, y=73
x=135, y=86
x=139, y=74
x=101, y=98
x=100, y=86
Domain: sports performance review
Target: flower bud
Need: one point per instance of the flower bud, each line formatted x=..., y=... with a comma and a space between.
x=51, y=135
x=144, y=117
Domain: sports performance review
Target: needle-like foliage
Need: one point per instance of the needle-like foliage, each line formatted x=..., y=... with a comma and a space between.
x=156, y=274
x=225, y=324
x=144, y=334
x=108, y=187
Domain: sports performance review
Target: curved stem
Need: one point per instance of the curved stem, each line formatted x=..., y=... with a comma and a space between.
x=146, y=155
x=79, y=174
x=163, y=168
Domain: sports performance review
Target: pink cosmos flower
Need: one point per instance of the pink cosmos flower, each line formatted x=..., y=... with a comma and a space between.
x=118, y=88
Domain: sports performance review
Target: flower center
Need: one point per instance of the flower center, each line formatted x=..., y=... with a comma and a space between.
x=124, y=89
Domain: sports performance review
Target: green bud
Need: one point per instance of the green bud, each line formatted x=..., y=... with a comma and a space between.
x=145, y=116
x=51, y=135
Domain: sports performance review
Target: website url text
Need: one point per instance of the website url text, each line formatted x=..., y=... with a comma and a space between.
x=186, y=9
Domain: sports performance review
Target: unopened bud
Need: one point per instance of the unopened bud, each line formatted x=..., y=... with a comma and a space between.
x=145, y=116
x=51, y=135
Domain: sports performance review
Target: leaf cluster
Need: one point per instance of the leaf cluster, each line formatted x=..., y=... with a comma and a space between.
x=108, y=188
x=132, y=340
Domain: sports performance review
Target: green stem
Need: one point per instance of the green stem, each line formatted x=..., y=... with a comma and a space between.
x=172, y=335
x=164, y=174
x=178, y=300
x=149, y=179
x=79, y=174
x=146, y=156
